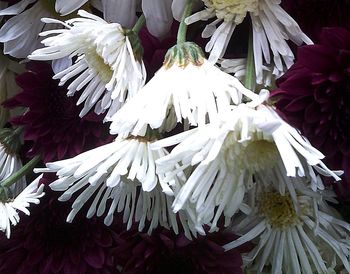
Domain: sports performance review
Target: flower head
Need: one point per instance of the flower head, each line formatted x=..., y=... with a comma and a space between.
x=313, y=15
x=108, y=67
x=271, y=27
x=292, y=235
x=166, y=252
x=314, y=97
x=225, y=158
x=51, y=123
x=119, y=177
x=12, y=203
x=45, y=243
x=187, y=88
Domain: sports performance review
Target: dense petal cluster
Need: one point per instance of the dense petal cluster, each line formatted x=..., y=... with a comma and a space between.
x=120, y=177
x=271, y=28
x=202, y=171
x=295, y=231
x=195, y=92
x=225, y=160
x=314, y=96
x=51, y=122
x=313, y=15
x=108, y=69
x=165, y=252
x=15, y=203
x=45, y=243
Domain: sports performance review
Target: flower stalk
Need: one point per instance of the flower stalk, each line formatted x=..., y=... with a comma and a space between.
x=139, y=24
x=181, y=34
x=249, y=81
x=28, y=167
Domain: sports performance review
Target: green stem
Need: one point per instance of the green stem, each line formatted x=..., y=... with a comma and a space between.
x=139, y=24
x=249, y=81
x=28, y=167
x=18, y=130
x=181, y=34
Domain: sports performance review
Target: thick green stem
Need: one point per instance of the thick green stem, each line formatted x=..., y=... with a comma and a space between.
x=249, y=81
x=181, y=34
x=18, y=130
x=28, y=167
x=139, y=24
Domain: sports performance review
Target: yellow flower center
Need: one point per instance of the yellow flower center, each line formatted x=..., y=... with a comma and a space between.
x=97, y=63
x=232, y=10
x=254, y=155
x=278, y=210
x=260, y=155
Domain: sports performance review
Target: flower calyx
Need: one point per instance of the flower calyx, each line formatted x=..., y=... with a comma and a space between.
x=183, y=54
x=11, y=140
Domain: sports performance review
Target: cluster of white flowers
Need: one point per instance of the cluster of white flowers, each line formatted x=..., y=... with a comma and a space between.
x=235, y=158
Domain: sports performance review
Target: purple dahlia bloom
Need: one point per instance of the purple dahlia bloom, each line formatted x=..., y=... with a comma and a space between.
x=314, y=96
x=51, y=122
x=164, y=252
x=313, y=15
x=44, y=243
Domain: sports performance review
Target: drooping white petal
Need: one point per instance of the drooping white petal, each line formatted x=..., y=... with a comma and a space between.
x=120, y=11
x=105, y=71
x=65, y=7
x=120, y=177
x=158, y=16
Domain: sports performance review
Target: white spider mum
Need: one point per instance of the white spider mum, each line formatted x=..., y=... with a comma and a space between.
x=271, y=25
x=187, y=87
x=108, y=67
x=226, y=157
x=292, y=235
x=11, y=204
x=119, y=176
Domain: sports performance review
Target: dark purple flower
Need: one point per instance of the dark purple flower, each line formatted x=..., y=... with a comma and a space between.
x=164, y=252
x=314, y=96
x=313, y=15
x=43, y=243
x=52, y=123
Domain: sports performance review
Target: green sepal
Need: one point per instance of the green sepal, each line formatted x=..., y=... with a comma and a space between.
x=183, y=54
x=11, y=140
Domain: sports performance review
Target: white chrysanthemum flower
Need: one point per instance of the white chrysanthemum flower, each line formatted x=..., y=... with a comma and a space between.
x=108, y=69
x=226, y=157
x=192, y=90
x=271, y=25
x=119, y=176
x=237, y=67
x=20, y=33
x=11, y=204
x=295, y=232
